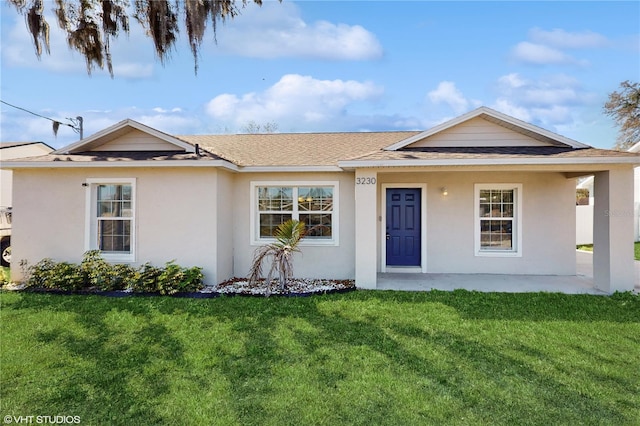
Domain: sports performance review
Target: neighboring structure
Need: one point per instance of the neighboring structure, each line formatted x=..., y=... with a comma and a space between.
x=12, y=150
x=584, y=213
x=483, y=193
x=9, y=151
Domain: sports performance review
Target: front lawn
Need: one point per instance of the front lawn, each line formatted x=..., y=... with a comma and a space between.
x=368, y=358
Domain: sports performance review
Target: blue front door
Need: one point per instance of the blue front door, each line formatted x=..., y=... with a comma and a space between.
x=403, y=227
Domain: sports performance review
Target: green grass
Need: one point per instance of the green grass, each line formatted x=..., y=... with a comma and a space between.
x=5, y=274
x=589, y=247
x=361, y=358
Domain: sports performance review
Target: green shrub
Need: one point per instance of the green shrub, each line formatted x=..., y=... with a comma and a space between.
x=174, y=279
x=96, y=273
x=146, y=279
x=38, y=275
x=49, y=274
x=124, y=277
x=4, y=276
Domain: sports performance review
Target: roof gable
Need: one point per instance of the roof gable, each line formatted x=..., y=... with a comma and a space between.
x=484, y=127
x=128, y=135
x=12, y=150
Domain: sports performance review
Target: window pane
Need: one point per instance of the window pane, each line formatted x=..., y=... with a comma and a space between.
x=496, y=235
x=114, y=201
x=507, y=196
x=126, y=210
x=275, y=198
x=114, y=236
x=105, y=209
x=315, y=199
x=269, y=223
x=126, y=192
x=106, y=192
x=317, y=225
x=495, y=210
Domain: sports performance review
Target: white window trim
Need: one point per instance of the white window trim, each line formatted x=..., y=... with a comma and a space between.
x=517, y=217
x=90, y=242
x=335, y=215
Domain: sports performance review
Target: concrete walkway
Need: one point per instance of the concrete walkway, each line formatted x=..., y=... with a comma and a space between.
x=581, y=283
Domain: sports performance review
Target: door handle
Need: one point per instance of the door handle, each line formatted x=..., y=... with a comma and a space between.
x=388, y=236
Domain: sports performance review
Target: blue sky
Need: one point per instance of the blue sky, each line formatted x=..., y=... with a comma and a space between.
x=339, y=66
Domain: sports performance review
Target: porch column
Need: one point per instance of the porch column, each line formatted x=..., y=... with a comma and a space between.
x=613, y=263
x=366, y=228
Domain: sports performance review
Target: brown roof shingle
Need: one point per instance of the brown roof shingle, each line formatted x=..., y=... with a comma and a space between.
x=294, y=149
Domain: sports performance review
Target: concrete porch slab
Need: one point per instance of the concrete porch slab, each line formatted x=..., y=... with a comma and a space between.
x=581, y=283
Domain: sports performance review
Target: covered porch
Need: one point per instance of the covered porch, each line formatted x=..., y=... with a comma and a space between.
x=611, y=268
x=581, y=283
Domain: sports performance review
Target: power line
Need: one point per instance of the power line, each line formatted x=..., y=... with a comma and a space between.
x=55, y=122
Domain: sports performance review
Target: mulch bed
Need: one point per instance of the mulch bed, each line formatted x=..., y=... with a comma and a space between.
x=232, y=287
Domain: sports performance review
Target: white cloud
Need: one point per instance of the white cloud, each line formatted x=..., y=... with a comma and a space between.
x=550, y=101
x=548, y=47
x=511, y=81
x=293, y=102
x=506, y=106
x=540, y=54
x=568, y=40
x=447, y=93
x=277, y=30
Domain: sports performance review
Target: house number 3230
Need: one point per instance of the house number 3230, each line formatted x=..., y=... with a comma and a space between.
x=365, y=181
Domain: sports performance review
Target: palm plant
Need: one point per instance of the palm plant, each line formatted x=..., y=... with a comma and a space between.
x=288, y=236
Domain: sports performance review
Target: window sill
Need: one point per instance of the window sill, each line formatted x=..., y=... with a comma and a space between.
x=305, y=243
x=118, y=258
x=498, y=254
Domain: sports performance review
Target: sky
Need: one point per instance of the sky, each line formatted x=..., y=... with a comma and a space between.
x=334, y=66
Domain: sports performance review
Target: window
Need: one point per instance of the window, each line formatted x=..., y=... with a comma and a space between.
x=311, y=202
x=111, y=218
x=497, y=211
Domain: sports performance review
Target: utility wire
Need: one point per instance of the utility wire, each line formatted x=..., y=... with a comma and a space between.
x=41, y=116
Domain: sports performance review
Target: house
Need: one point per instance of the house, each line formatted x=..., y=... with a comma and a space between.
x=482, y=193
x=11, y=150
x=584, y=211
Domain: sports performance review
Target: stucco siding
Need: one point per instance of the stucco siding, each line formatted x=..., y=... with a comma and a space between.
x=226, y=226
x=314, y=261
x=175, y=216
x=548, y=222
x=48, y=217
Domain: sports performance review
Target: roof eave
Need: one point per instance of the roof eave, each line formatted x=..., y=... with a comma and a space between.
x=354, y=164
x=118, y=164
x=290, y=169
